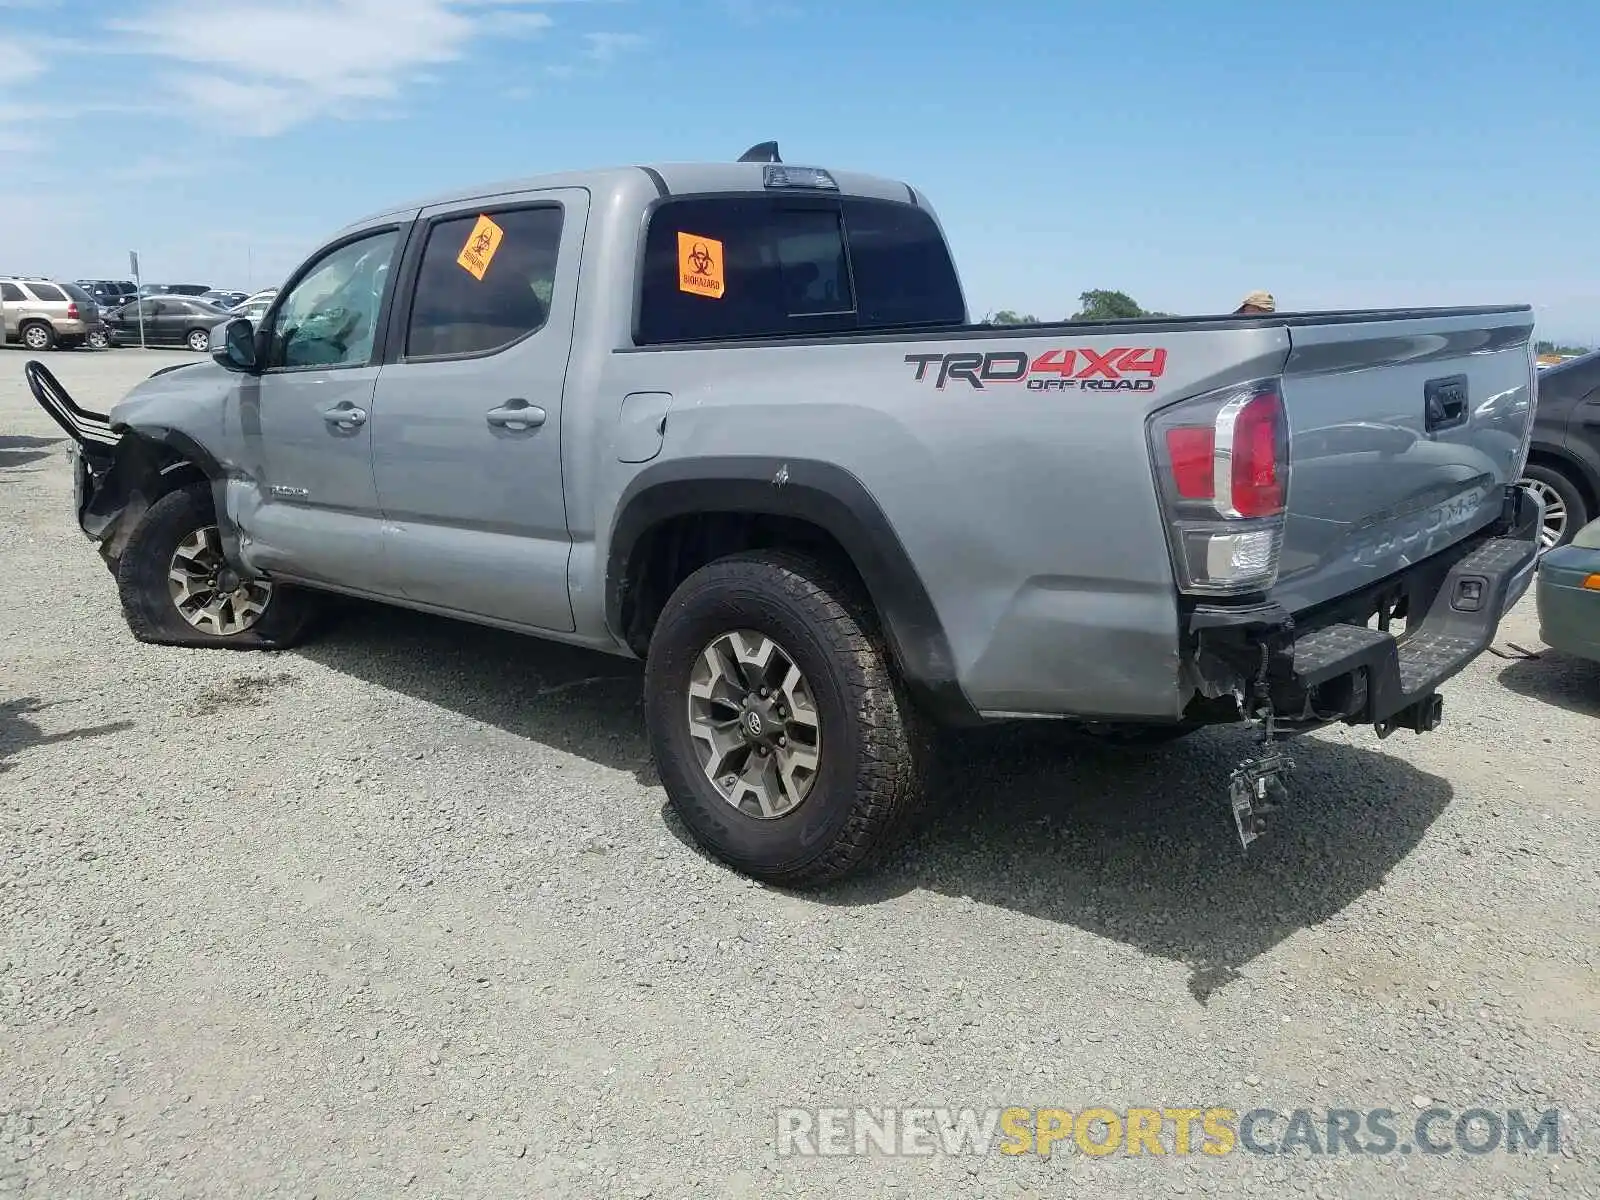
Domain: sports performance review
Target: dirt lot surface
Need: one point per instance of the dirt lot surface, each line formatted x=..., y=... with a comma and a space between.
x=400, y=913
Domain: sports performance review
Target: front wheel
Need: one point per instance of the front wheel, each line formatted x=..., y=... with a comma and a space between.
x=177, y=589
x=784, y=740
x=99, y=340
x=199, y=340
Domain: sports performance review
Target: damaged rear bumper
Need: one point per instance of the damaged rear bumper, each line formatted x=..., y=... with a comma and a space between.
x=1332, y=665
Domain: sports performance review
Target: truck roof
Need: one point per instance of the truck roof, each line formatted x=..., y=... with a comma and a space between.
x=664, y=178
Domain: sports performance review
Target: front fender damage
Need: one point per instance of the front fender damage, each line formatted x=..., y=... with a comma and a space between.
x=123, y=462
x=119, y=486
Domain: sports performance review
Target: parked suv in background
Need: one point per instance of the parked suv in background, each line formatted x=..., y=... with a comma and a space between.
x=174, y=289
x=110, y=293
x=42, y=315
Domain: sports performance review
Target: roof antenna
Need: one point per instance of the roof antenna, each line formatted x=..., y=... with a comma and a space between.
x=764, y=152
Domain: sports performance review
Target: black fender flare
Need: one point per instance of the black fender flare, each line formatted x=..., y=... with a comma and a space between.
x=131, y=464
x=824, y=495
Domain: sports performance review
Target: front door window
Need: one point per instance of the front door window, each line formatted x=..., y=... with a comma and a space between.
x=330, y=318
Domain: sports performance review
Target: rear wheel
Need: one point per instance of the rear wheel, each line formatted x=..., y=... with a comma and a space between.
x=177, y=588
x=785, y=742
x=38, y=336
x=1565, y=511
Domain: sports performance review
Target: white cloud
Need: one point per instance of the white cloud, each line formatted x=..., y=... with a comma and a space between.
x=605, y=47
x=20, y=65
x=264, y=69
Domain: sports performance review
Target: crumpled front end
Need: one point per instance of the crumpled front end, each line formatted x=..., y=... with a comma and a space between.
x=121, y=462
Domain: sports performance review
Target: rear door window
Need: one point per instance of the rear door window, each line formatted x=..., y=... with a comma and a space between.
x=486, y=282
x=11, y=293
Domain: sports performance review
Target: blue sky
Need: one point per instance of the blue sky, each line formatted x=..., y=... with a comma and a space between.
x=1338, y=154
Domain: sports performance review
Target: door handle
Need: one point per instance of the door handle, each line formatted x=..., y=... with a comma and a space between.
x=516, y=415
x=345, y=416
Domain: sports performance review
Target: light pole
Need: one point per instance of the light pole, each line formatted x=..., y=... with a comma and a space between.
x=138, y=300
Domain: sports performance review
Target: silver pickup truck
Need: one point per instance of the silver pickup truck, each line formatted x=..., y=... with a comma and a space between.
x=732, y=419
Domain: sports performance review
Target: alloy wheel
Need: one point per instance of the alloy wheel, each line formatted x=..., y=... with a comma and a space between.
x=754, y=723
x=208, y=593
x=1555, y=513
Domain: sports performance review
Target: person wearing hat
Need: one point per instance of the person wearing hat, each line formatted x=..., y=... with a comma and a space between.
x=1256, y=303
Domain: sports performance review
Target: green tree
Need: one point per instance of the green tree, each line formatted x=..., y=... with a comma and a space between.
x=1557, y=348
x=1100, y=304
x=1007, y=316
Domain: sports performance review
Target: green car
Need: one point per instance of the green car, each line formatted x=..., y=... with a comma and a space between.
x=1568, y=595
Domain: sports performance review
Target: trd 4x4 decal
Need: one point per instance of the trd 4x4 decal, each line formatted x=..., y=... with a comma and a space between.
x=1053, y=371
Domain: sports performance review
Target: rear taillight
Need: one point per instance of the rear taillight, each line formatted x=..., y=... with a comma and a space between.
x=72, y=311
x=1222, y=465
x=1252, y=436
x=1190, y=449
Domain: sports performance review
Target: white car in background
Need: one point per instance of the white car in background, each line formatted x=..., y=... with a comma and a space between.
x=256, y=305
x=253, y=309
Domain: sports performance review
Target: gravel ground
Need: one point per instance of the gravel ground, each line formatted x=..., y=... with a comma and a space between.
x=401, y=913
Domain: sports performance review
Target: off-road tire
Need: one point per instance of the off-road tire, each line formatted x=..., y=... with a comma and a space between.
x=141, y=574
x=875, y=745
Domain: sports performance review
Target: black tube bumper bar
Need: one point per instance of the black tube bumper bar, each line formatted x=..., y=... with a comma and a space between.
x=91, y=430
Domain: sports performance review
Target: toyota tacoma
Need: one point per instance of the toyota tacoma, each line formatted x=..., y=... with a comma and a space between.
x=734, y=420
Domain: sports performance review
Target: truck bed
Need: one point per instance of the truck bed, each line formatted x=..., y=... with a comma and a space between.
x=1029, y=501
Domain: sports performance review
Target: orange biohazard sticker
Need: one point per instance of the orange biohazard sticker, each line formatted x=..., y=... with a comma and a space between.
x=700, y=267
x=481, y=245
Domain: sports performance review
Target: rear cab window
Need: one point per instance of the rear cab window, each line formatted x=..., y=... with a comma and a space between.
x=761, y=265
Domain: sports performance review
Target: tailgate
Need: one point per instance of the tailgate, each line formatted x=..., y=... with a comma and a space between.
x=1403, y=432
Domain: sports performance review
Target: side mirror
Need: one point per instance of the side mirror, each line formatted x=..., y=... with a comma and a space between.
x=238, y=349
